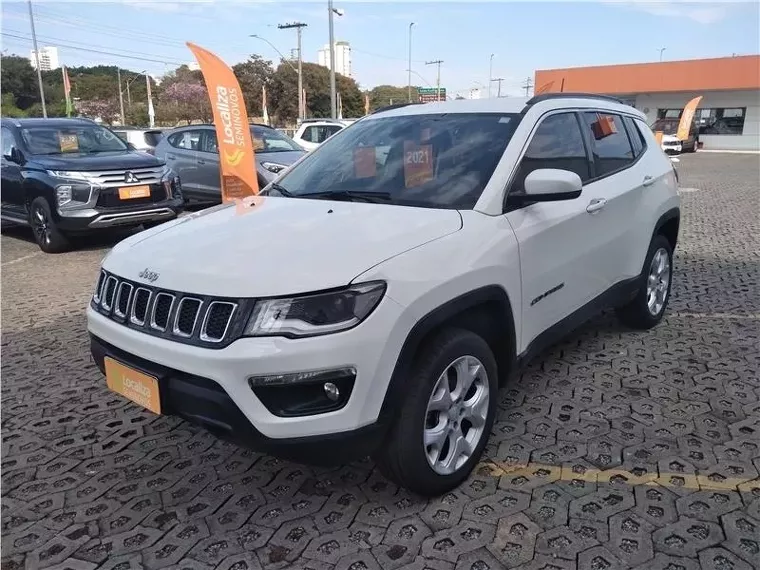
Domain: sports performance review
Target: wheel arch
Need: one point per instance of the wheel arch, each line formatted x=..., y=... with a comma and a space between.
x=668, y=225
x=487, y=311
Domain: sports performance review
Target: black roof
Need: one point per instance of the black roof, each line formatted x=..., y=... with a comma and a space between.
x=38, y=121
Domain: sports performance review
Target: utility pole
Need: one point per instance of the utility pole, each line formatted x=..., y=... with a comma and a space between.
x=409, y=87
x=298, y=26
x=437, y=62
x=121, y=95
x=527, y=86
x=490, y=75
x=37, y=58
x=499, y=79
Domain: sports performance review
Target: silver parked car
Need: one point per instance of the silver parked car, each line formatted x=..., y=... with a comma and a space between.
x=192, y=152
x=144, y=140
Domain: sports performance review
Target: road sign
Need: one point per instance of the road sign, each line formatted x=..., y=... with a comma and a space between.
x=430, y=94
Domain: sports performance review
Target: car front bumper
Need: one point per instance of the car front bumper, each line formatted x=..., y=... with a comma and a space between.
x=210, y=386
x=100, y=218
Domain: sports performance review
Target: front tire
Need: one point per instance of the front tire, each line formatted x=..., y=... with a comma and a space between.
x=648, y=307
x=46, y=232
x=446, y=418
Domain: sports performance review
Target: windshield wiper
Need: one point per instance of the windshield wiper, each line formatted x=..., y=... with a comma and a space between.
x=349, y=196
x=281, y=189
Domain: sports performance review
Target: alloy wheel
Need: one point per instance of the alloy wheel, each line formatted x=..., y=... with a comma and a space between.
x=456, y=415
x=658, y=281
x=41, y=225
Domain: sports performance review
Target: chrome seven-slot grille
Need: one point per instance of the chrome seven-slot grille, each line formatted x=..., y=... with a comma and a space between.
x=181, y=317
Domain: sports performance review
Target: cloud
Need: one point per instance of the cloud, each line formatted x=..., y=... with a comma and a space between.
x=700, y=12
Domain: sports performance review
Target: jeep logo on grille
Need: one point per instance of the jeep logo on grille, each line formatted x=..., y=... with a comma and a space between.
x=148, y=275
x=130, y=178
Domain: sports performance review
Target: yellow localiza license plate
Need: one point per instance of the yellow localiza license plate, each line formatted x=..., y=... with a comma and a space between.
x=138, y=387
x=132, y=192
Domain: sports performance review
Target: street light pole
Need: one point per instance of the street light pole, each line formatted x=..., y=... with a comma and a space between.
x=333, y=93
x=662, y=50
x=37, y=58
x=121, y=95
x=409, y=87
x=490, y=74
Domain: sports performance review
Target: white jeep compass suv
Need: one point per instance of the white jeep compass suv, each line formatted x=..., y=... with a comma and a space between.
x=375, y=298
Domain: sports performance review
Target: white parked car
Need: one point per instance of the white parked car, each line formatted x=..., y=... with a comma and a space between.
x=399, y=289
x=313, y=132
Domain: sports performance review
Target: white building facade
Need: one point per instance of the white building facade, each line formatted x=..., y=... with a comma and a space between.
x=342, y=57
x=48, y=58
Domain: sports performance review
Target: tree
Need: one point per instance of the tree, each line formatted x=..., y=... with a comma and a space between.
x=19, y=79
x=383, y=95
x=252, y=75
x=8, y=106
x=350, y=95
x=104, y=109
x=182, y=101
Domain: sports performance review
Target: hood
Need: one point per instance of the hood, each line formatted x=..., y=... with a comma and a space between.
x=99, y=161
x=276, y=246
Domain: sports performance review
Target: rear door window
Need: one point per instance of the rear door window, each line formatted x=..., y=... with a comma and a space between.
x=187, y=140
x=609, y=142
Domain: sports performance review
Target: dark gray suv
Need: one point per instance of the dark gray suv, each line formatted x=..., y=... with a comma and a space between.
x=192, y=152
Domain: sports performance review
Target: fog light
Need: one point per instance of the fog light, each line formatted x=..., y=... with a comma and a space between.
x=306, y=377
x=331, y=391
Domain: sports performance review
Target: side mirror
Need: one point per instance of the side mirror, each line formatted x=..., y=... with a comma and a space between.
x=15, y=156
x=548, y=185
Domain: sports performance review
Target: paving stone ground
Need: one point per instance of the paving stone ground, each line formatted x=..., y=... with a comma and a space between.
x=616, y=449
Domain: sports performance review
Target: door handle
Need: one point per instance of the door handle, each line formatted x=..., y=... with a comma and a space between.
x=595, y=205
x=648, y=181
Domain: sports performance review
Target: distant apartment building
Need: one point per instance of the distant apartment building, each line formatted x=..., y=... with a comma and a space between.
x=48, y=58
x=342, y=57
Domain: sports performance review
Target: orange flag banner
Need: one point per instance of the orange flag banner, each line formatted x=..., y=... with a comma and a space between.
x=687, y=117
x=236, y=155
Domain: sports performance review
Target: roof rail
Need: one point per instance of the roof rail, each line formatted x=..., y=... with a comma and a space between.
x=316, y=120
x=547, y=96
x=394, y=106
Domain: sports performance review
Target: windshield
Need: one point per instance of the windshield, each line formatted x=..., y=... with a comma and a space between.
x=271, y=140
x=71, y=139
x=667, y=126
x=433, y=161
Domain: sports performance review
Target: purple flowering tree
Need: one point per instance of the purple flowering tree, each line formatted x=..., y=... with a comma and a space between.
x=106, y=110
x=185, y=101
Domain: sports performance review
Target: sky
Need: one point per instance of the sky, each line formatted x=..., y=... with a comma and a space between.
x=142, y=35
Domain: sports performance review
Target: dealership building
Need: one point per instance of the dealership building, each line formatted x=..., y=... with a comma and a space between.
x=728, y=115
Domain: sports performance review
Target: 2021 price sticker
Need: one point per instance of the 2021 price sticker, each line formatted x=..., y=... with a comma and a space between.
x=418, y=164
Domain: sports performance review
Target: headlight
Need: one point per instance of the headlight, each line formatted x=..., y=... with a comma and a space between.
x=67, y=174
x=318, y=314
x=72, y=196
x=274, y=167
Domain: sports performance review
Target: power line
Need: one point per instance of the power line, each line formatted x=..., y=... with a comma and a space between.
x=123, y=56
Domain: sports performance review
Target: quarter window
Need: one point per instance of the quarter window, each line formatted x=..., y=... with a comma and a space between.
x=208, y=142
x=609, y=142
x=557, y=143
x=637, y=139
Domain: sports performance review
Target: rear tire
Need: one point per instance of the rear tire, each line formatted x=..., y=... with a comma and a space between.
x=46, y=232
x=458, y=426
x=648, y=307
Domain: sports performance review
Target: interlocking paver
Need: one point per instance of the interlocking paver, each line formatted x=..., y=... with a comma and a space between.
x=666, y=419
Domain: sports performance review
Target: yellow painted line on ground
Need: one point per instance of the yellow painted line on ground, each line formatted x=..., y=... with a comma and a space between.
x=20, y=259
x=569, y=473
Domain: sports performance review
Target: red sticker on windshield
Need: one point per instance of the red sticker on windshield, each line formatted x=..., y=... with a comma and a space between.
x=364, y=162
x=418, y=164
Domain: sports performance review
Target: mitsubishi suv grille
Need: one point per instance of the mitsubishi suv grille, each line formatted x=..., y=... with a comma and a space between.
x=213, y=322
